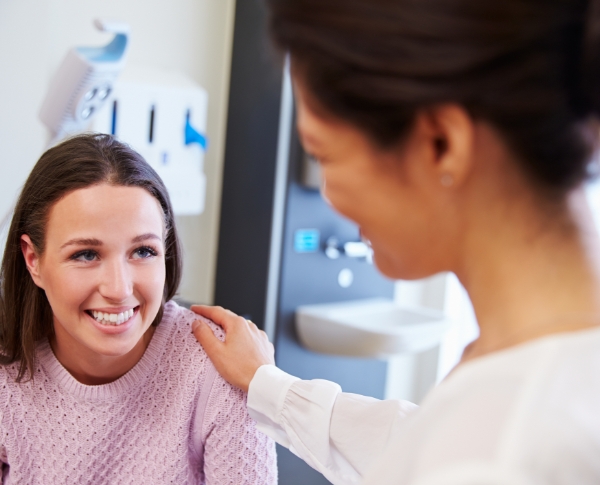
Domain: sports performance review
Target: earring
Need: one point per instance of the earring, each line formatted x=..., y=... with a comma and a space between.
x=447, y=180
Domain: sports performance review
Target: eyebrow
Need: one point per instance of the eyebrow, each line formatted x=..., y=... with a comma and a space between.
x=96, y=242
x=82, y=242
x=145, y=237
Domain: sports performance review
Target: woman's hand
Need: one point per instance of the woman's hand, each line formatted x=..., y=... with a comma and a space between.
x=244, y=350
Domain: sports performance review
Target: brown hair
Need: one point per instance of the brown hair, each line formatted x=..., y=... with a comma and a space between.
x=529, y=67
x=79, y=162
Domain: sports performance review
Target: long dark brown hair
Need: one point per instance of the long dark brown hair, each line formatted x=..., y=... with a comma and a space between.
x=79, y=162
x=531, y=68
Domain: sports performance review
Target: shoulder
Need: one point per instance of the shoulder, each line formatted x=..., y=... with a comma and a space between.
x=5, y=384
x=532, y=408
x=177, y=317
x=8, y=379
x=10, y=389
x=175, y=346
x=550, y=376
x=560, y=419
x=176, y=327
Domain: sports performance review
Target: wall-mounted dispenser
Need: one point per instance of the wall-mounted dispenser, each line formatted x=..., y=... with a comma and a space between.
x=162, y=115
x=84, y=82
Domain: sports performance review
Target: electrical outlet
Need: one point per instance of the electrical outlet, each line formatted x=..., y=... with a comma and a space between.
x=162, y=116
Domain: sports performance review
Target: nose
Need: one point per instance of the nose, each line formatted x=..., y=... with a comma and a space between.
x=116, y=283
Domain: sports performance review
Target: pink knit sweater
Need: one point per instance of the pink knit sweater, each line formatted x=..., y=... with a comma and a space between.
x=171, y=419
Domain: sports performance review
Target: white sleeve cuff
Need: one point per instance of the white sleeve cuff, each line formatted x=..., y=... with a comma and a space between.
x=266, y=396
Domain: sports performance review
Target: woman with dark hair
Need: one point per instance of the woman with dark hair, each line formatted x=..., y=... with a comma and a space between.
x=458, y=135
x=101, y=380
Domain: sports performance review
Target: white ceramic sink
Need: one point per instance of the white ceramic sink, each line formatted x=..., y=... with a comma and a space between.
x=368, y=328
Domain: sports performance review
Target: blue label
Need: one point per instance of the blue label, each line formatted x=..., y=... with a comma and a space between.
x=306, y=240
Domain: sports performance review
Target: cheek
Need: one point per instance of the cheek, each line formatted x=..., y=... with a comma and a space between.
x=390, y=214
x=151, y=280
x=67, y=289
x=345, y=192
x=398, y=260
x=409, y=247
x=365, y=198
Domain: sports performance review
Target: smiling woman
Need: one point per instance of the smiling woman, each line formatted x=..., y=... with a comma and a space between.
x=63, y=188
x=113, y=279
x=101, y=379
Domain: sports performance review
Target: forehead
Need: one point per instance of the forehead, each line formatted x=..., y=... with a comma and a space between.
x=310, y=122
x=320, y=130
x=328, y=136
x=105, y=211
x=317, y=132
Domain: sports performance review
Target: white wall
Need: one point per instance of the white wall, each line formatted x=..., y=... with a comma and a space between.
x=193, y=36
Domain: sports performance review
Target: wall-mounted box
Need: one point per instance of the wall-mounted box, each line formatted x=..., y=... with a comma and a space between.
x=162, y=115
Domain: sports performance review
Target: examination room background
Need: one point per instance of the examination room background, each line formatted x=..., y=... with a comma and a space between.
x=195, y=37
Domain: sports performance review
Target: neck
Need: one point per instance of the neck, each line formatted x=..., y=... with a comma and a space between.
x=94, y=369
x=530, y=276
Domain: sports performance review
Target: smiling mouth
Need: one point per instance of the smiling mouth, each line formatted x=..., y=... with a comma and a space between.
x=114, y=319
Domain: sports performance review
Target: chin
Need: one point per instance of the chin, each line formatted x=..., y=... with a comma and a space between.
x=398, y=269
x=387, y=269
x=115, y=350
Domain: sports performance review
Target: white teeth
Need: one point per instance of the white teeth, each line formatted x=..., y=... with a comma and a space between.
x=112, y=318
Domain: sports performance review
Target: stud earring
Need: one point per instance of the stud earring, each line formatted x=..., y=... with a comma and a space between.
x=447, y=180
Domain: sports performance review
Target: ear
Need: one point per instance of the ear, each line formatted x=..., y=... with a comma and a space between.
x=32, y=260
x=450, y=133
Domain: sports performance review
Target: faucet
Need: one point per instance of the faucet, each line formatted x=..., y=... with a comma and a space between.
x=352, y=249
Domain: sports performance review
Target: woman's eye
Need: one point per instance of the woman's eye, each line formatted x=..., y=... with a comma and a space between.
x=144, y=252
x=87, y=256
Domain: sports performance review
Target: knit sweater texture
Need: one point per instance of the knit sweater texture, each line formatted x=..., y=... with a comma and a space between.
x=171, y=419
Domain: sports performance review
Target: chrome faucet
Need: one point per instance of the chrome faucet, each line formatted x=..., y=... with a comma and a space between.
x=352, y=249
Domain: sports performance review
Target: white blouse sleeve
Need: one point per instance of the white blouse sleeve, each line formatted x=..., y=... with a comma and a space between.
x=336, y=433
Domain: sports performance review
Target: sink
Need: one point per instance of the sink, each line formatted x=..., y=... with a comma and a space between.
x=375, y=328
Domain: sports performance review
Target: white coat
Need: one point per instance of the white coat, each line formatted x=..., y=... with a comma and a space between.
x=528, y=415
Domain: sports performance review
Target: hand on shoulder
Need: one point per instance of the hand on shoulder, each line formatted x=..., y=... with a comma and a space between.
x=245, y=349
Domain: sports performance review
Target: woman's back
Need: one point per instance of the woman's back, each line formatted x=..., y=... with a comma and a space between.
x=526, y=415
x=170, y=419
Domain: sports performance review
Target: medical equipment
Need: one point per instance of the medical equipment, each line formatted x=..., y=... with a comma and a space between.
x=162, y=114
x=84, y=82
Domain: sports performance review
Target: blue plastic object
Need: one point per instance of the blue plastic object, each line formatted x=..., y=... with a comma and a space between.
x=193, y=136
x=306, y=240
x=112, y=52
